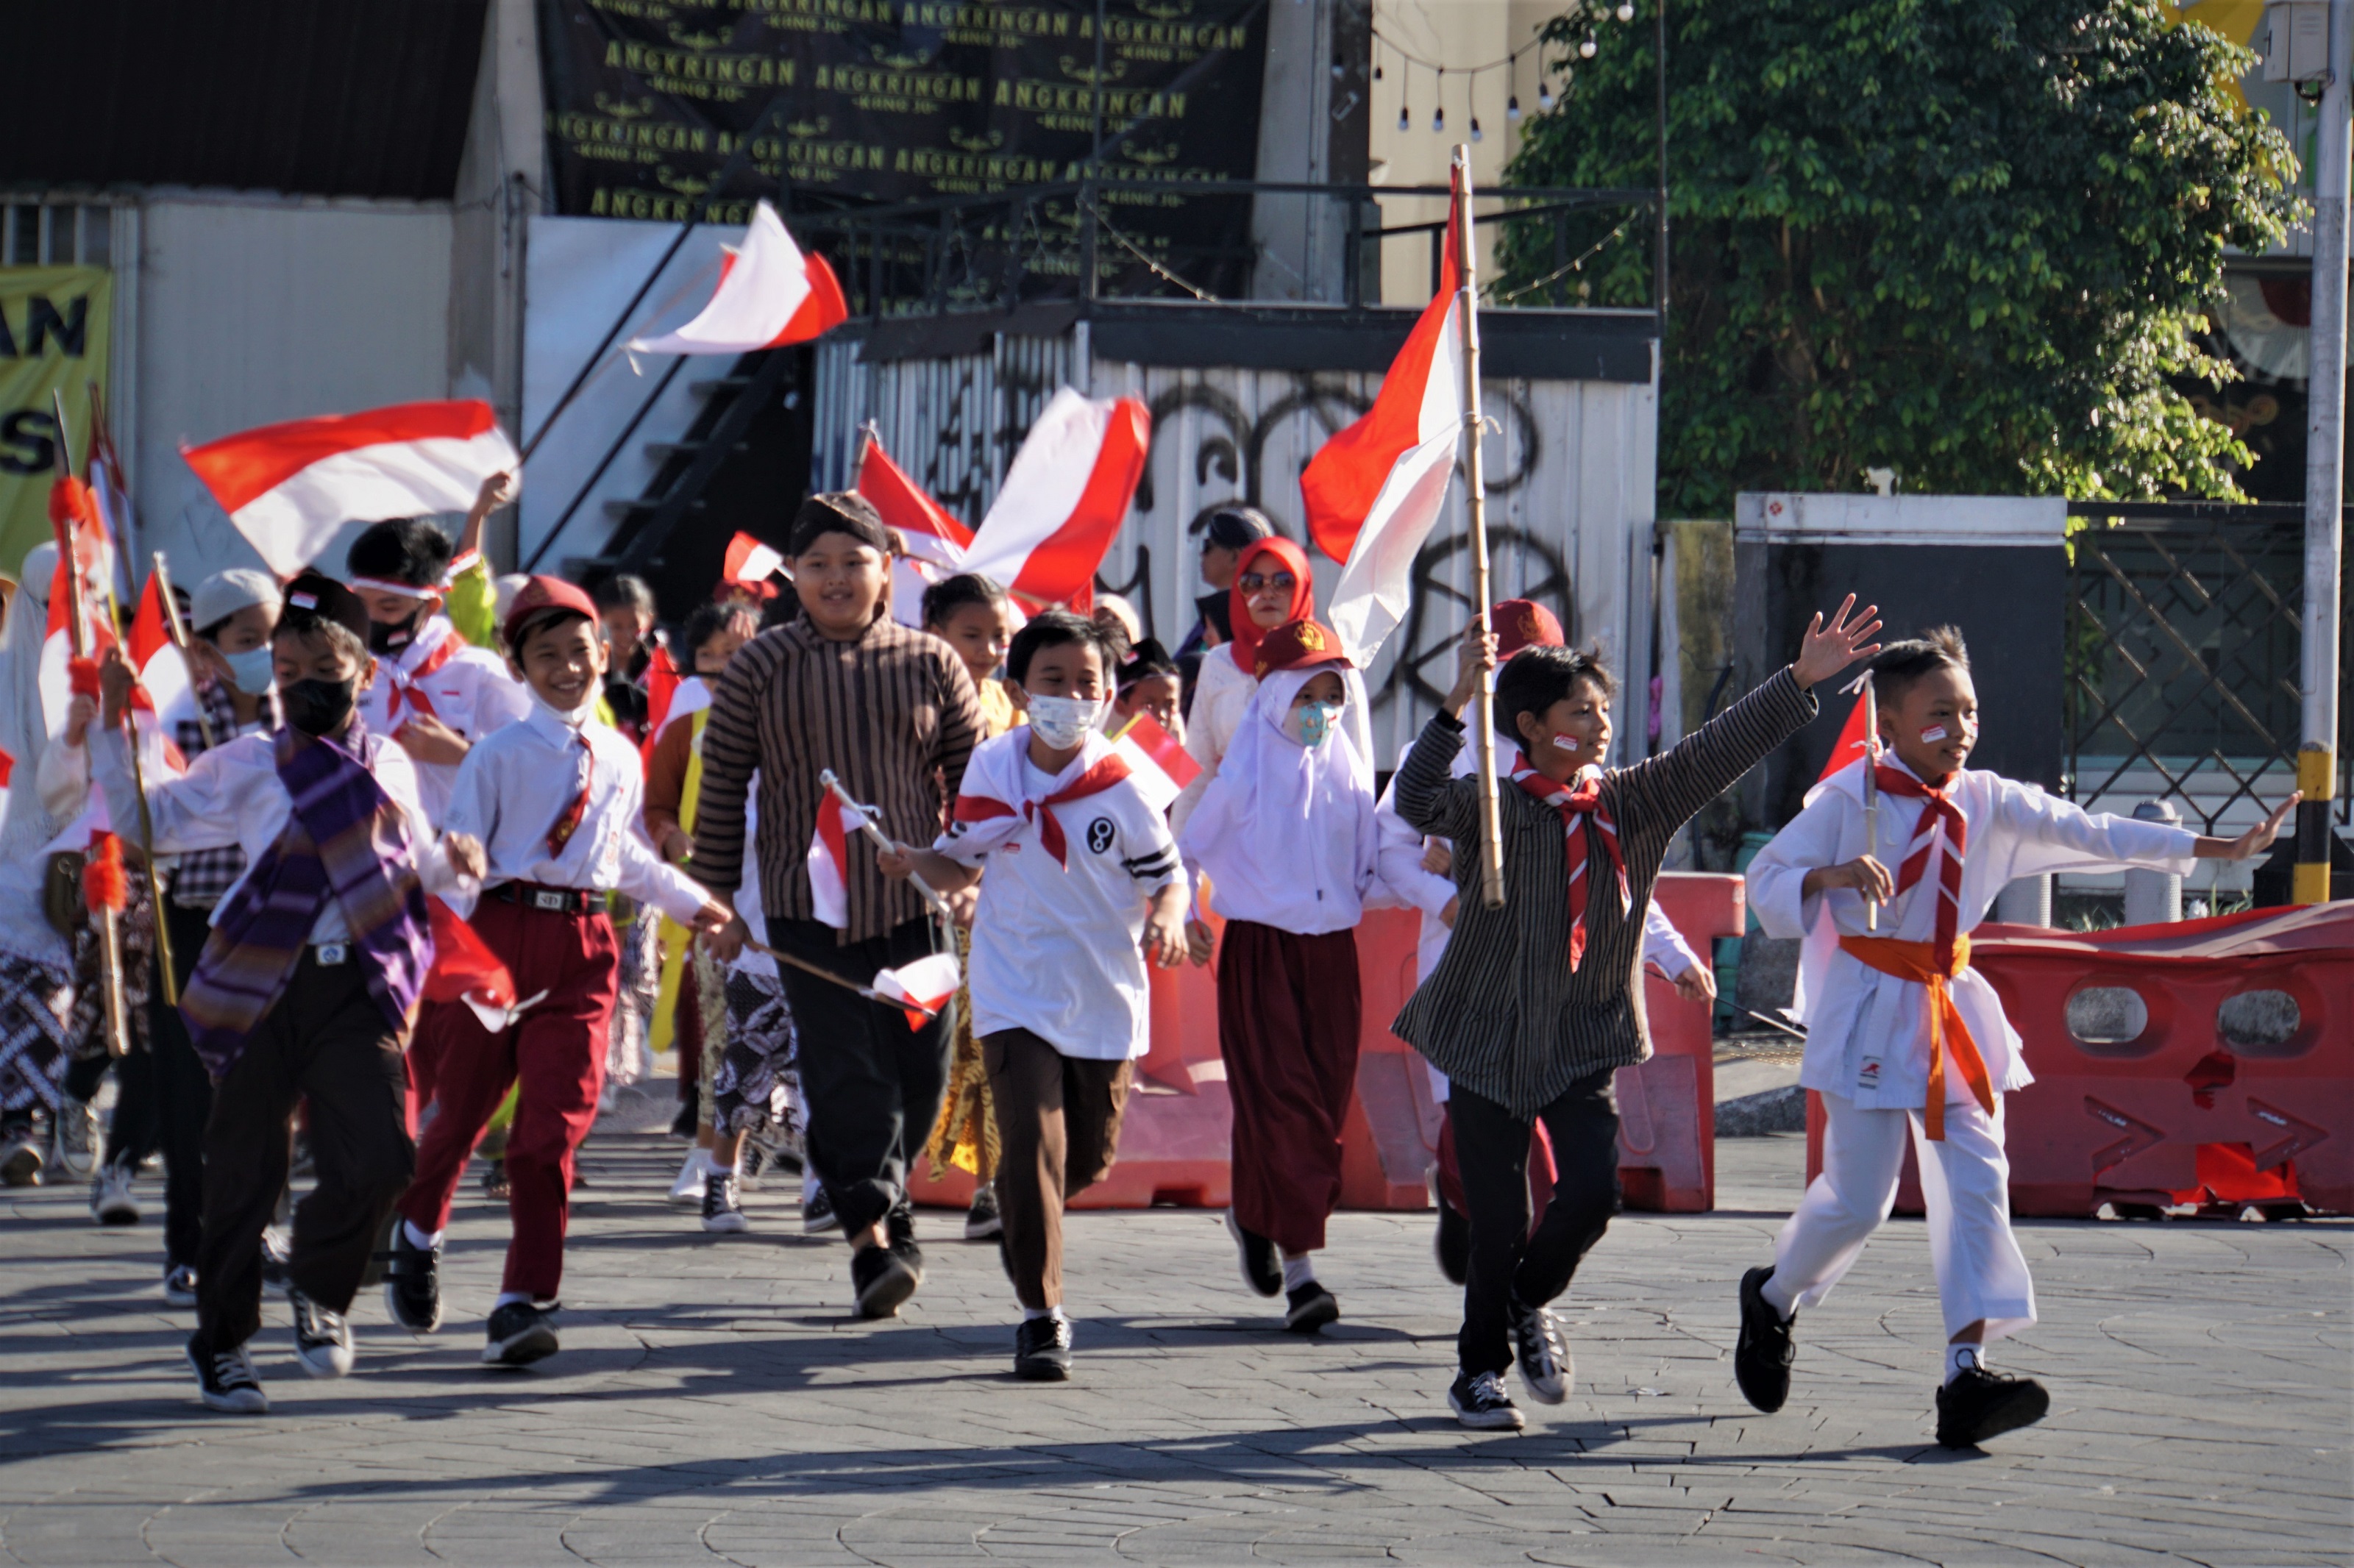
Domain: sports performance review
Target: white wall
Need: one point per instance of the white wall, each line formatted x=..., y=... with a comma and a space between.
x=253, y=310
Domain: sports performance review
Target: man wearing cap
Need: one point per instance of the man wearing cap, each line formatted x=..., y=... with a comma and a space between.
x=308, y=981
x=555, y=801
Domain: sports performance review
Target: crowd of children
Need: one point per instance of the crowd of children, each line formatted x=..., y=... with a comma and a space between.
x=380, y=779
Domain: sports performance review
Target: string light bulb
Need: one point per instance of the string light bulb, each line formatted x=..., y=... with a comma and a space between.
x=1476, y=136
x=1405, y=118
x=1513, y=109
x=1438, y=120
x=1587, y=47
x=1544, y=98
x=1626, y=10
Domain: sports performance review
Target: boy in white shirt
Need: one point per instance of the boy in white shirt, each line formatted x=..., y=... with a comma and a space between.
x=556, y=800
x=1903, y=1034
x=1083, y=887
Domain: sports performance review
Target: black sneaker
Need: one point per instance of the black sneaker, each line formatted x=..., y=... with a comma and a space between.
x=1479, y=1401
x=1762, y=1357
x=519, y=1334
x=982, y=1220
x=884, y=1278
x=322, y=1339
x=276, y=1252
x=1452, y=1244
x=224, y=1378
x=1546, y=1365
x=817, y=1213
x=1262, y=1270
x=412, y=1285
x=179, y=1286
x=1042, y=1349
x=1310, y=1308
x=1978, y=1404
x=20, y=1155
x=723, y=1215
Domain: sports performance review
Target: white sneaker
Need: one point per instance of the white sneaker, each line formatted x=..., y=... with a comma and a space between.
x=110, y=1203
x=693, y=1177
x=76, y=1138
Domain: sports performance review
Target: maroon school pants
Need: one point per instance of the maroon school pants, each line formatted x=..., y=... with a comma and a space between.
x=556, y=1051
x=1288, y=1008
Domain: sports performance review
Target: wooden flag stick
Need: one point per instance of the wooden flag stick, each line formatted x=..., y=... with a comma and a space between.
x=1483, y=725
x=882, y=840
x=822, y=973
x=163, y=967
x=179, y=630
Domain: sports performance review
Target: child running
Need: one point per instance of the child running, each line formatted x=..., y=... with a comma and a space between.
x=1082, y=886
x=1902, y=1036
x=1536, y=1004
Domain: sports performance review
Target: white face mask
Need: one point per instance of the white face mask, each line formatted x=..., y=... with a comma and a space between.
x=1063, y=721
x=572, y=719
x=1310, y=724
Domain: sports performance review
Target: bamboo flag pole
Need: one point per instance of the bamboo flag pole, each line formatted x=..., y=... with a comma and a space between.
x=170, y=981
x=1483, y=726
x=179, y=630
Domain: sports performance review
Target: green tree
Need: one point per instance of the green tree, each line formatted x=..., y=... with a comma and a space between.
x=1967, y=239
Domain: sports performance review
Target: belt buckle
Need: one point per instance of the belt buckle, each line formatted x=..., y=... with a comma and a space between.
x=333, y=953
x=547, y=898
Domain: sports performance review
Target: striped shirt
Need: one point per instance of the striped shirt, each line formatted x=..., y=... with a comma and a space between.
x=891, y=713
x=1502, y=1015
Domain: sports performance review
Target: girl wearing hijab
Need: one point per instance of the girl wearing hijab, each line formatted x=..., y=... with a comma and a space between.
x=1286, y=837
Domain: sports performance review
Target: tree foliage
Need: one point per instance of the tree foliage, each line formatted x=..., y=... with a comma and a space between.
x=1966, y=239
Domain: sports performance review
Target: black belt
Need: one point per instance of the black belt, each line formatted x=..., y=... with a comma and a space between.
x=553, y=900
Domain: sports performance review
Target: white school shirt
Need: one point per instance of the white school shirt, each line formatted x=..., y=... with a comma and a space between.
x=517, y=782
x=472, y=694
x=1055, y=948
x=1867, y=1032
x=231, y=795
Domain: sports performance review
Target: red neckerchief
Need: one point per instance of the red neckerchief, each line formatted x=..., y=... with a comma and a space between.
x=1940, y=820
x=569, y=823
x=404, y=683
x=1576, y=803
x=1108, y=770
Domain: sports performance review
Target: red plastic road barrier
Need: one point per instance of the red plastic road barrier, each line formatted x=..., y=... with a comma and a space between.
x=2207, y=1060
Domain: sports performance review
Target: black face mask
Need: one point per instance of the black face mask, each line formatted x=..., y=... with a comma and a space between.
x=386, y=636
x=319, y=708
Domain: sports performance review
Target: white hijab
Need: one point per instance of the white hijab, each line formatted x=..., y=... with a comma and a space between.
x=1287, y=831
x=23, y=728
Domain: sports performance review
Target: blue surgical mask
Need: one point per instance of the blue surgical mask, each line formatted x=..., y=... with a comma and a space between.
x=1310, y=724
x=252, y=669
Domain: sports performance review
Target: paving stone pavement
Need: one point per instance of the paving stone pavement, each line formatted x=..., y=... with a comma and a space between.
x=715, y=1403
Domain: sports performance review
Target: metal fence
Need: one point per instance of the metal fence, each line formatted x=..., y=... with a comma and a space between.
x=2184, y=627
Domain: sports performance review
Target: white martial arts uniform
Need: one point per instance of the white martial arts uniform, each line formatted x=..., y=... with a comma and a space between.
x=1868, y=1032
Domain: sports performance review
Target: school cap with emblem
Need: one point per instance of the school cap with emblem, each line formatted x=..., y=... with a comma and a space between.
x=542, y=599
x=223, y=594
x=1298, y=646
x=320, y=596
x=1521, y=623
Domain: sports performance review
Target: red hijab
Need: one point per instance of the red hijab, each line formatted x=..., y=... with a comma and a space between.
x=1248, y=632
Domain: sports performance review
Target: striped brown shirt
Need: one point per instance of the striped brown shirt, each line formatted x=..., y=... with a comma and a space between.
x=893, y=714
x=1502, y=1015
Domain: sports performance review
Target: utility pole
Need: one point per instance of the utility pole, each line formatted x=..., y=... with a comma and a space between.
x=2325, y=467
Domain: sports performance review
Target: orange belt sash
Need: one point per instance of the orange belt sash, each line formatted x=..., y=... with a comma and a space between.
x=1917, y=962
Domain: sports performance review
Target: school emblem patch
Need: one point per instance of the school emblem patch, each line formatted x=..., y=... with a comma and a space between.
x=1100, y=835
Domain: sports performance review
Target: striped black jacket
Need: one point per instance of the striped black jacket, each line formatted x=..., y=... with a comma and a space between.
x=1502, y=1015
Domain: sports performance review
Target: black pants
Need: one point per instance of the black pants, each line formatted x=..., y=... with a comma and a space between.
x=1492, y=1145
x=165, y=1097
x=872, y=1084
x=324, y=1040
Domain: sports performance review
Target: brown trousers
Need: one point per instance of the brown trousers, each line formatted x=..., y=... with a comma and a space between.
x=1289, y=1011
x=1057, y=1131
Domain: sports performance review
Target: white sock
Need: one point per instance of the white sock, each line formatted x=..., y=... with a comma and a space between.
x=1299, y=1270
x=507, y=1296
x=1032, y=1314
x=429, y=1241
x=1779, y=1297
x=1960, y=1358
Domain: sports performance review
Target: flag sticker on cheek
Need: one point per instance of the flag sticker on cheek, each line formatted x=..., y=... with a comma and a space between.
x=1566, y=742
x=1930, y=735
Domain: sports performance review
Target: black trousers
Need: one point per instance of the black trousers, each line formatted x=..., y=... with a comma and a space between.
x=166, y=1096
x=324, y=1040
x=872, y=1084
x=1508, y=1264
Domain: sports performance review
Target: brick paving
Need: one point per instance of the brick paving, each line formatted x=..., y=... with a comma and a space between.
x=715, y=1403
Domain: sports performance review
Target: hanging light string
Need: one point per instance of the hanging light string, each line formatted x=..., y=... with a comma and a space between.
x=1585, y=49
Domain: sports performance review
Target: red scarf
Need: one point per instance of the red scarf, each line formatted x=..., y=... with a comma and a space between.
x=1268, y=557
x=1107, y=771
x=1575, y=804
x=1941, y=827
x=404, y=683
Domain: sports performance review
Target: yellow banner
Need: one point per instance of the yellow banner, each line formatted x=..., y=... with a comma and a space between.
x=53, y=338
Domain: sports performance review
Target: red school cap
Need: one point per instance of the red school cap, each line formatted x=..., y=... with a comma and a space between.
x=1298, y=646
x=1521, y=623
x=543, y=598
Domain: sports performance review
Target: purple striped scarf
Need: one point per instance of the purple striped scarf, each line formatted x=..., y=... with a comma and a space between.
x=346, y=837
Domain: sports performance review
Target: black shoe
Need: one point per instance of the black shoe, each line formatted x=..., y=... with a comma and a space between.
x=883, y=1279
x=179, y=1286
x=1452, y=1245
x=494, y=1180
x=412, y=1285
x=276, y=1251
x=224, y=1378
x=817, y=1215
x=1546, y=1367
x=1042, y=1349
x=1479, y=1401
x=1978, y=1404
x=1262, y=1270
x=899, y=1225
x=519, y=1334
x=1762, y=1358
x=1311, y=1307
x=322, y=1339
x=684, y=1124
x=982, y=1220
x=723, y=1213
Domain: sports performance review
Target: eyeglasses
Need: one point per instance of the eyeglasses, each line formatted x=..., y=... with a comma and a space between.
x=1282, y=582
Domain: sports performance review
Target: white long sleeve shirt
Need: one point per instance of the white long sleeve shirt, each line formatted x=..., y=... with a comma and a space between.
x=231, y=795
x=515, y=783
x=1867, y=1032
x=472, y=694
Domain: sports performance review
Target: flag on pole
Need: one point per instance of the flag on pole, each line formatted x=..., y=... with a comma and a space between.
x=465, y=969
x=828, y=862
x=163, y=668
x=1854, y=740
x=751, y=562
x=771, y=294
x=77, y=584
x=935, y=541
x=921, y=989
x=1161, y=767
x=1373, y=492
x=1064, y=499
x=288, y=487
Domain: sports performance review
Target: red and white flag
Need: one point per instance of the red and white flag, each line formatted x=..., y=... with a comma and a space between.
x=1373, y=492
x=771, y=294
x=163, y=668
x=465, y=969
x=288, y=487
x=81, y=549
x=829, y=862
x=1161, y=767
x=1064, y=499
x=1854, y=742
x=921, y=989
x=936, y=540
x=751, y=562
